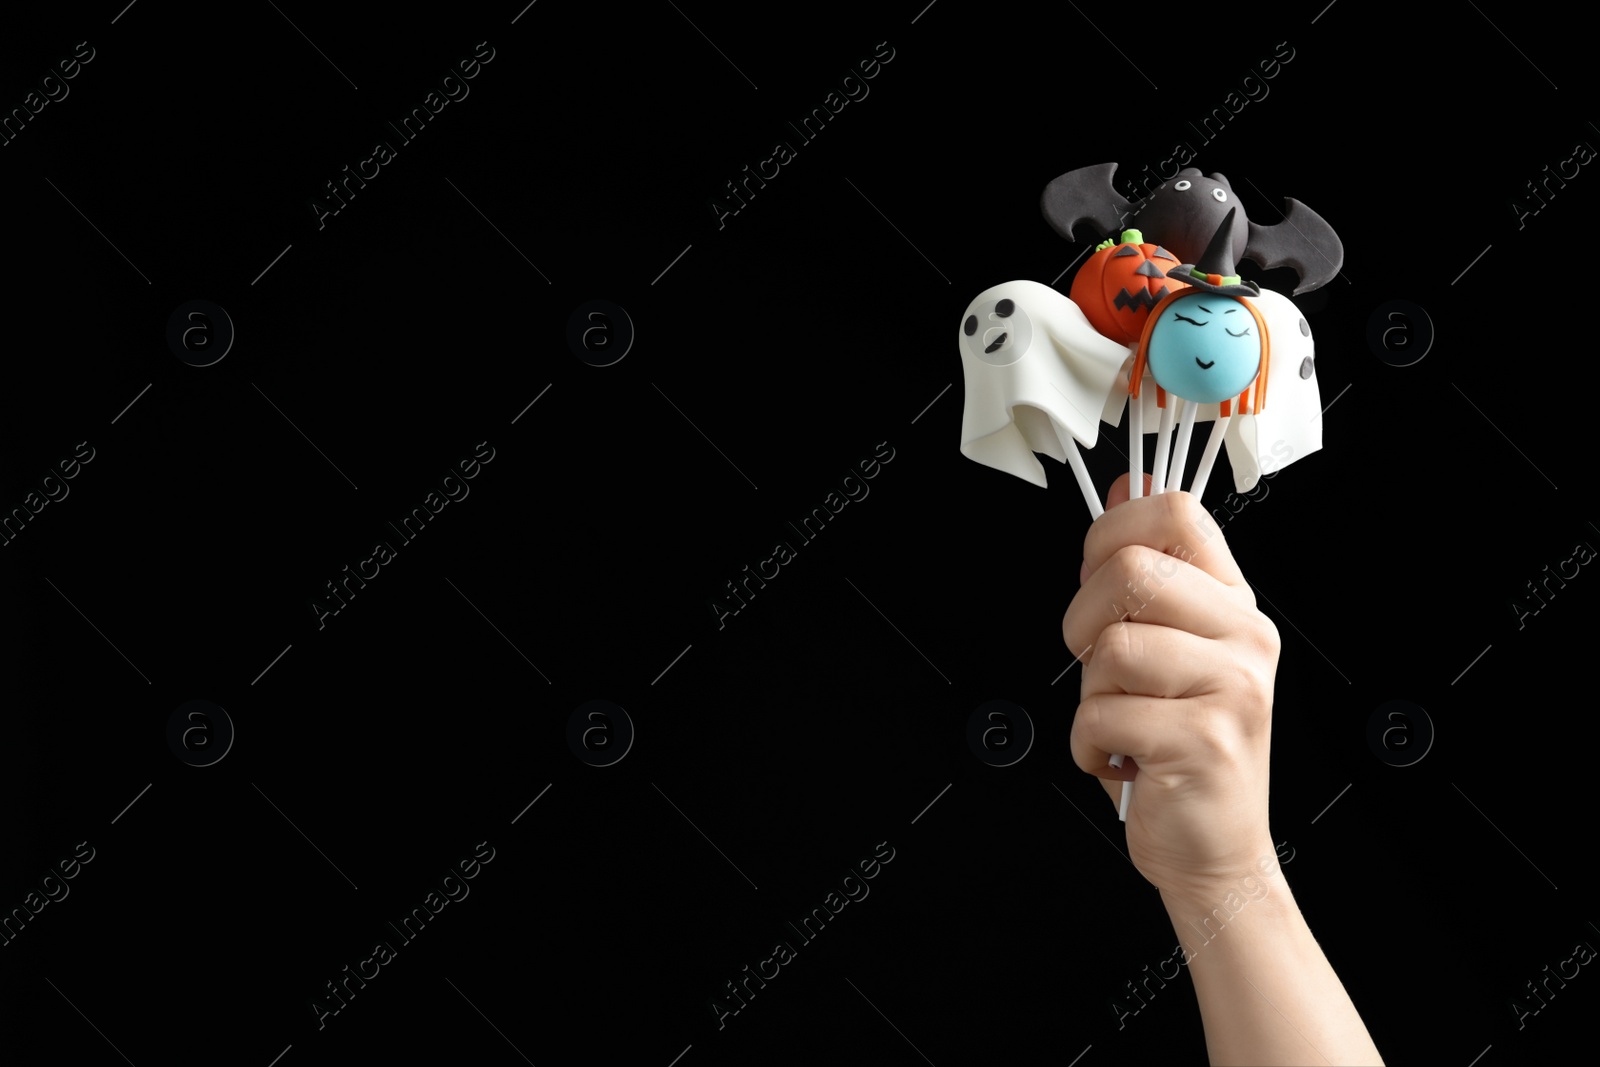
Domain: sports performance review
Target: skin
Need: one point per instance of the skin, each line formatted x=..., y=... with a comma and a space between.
x=1178, y=675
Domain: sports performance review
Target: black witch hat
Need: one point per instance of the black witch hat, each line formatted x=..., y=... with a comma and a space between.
x=1214, y=272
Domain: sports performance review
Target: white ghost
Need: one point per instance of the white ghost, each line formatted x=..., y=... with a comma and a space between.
x=1289, y=427
x=1039, y=378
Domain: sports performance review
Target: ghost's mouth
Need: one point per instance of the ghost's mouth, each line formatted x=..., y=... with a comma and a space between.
x=1205, y=366
x=995, y=344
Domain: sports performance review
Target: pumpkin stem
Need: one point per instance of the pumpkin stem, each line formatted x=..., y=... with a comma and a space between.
x=1132, y=237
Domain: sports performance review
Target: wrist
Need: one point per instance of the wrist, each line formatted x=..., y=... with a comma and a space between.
x=1220, y=895
x=1266, y=990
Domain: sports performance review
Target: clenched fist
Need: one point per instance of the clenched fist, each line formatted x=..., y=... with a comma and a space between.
x=1178, y=668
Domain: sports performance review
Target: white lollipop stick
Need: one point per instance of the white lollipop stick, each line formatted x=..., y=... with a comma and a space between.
x=1213, y=445
x=1085, y=483
x=1180, y=451
x=1158, y=474
x=1135, y=449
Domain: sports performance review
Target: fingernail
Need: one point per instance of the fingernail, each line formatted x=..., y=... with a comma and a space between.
x=1083, y=572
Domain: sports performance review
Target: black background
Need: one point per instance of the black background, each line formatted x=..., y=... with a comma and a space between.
x=771, y=354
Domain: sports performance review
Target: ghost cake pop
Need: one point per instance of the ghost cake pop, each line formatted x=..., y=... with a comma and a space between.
x=1262, y=443
x=1039, y=378
x=1206, y=344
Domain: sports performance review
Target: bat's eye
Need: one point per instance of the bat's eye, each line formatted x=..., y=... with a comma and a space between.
x=1180, y=186
x=1004, y=309
x=1219, y=195
x=971, y=325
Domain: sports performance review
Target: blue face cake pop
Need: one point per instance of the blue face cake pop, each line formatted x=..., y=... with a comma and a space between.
x=1206, y=348
x=1206, y=344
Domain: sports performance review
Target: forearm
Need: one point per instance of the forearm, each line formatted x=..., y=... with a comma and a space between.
x=1267, y=992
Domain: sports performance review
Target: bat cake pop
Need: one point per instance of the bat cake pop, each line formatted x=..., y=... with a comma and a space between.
x=1184, y=214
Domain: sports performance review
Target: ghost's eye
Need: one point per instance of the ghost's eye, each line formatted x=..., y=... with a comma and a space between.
x=1220, y=195
x=1180, y=186
x=971, y=325
x=1004, y=309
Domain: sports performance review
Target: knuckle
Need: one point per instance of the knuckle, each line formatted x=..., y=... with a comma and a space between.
x=1130, y=563
x=1088, y=708
x=1225, y=735
x=1271, y=639
x=1185, y=509
x=1119, y=647
x=1081, y=654
x=1250, y=678
x=1084, y=723
x=1251, y=686
x=1263, y=639
x=1211, y=733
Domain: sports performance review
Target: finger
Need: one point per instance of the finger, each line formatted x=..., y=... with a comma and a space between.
x=1118, y=493
x=1191, y=737
x=1144, y=659
x=1172, y=523
x=1152, y=587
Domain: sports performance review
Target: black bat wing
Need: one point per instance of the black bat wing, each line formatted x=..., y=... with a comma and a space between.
x=1303, y=241
x=1085, y=193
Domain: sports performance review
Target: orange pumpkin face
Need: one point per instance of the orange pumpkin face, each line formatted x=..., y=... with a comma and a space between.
x=1121, y=282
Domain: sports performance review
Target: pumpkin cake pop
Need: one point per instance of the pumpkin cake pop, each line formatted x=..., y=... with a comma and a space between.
x=1118, y=285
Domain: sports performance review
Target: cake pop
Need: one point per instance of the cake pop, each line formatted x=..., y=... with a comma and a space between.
x=1184, y=213
x=1206, y=344
x=1039, y=378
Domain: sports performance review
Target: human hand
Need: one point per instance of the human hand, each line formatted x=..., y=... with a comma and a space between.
x=1178, y=670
